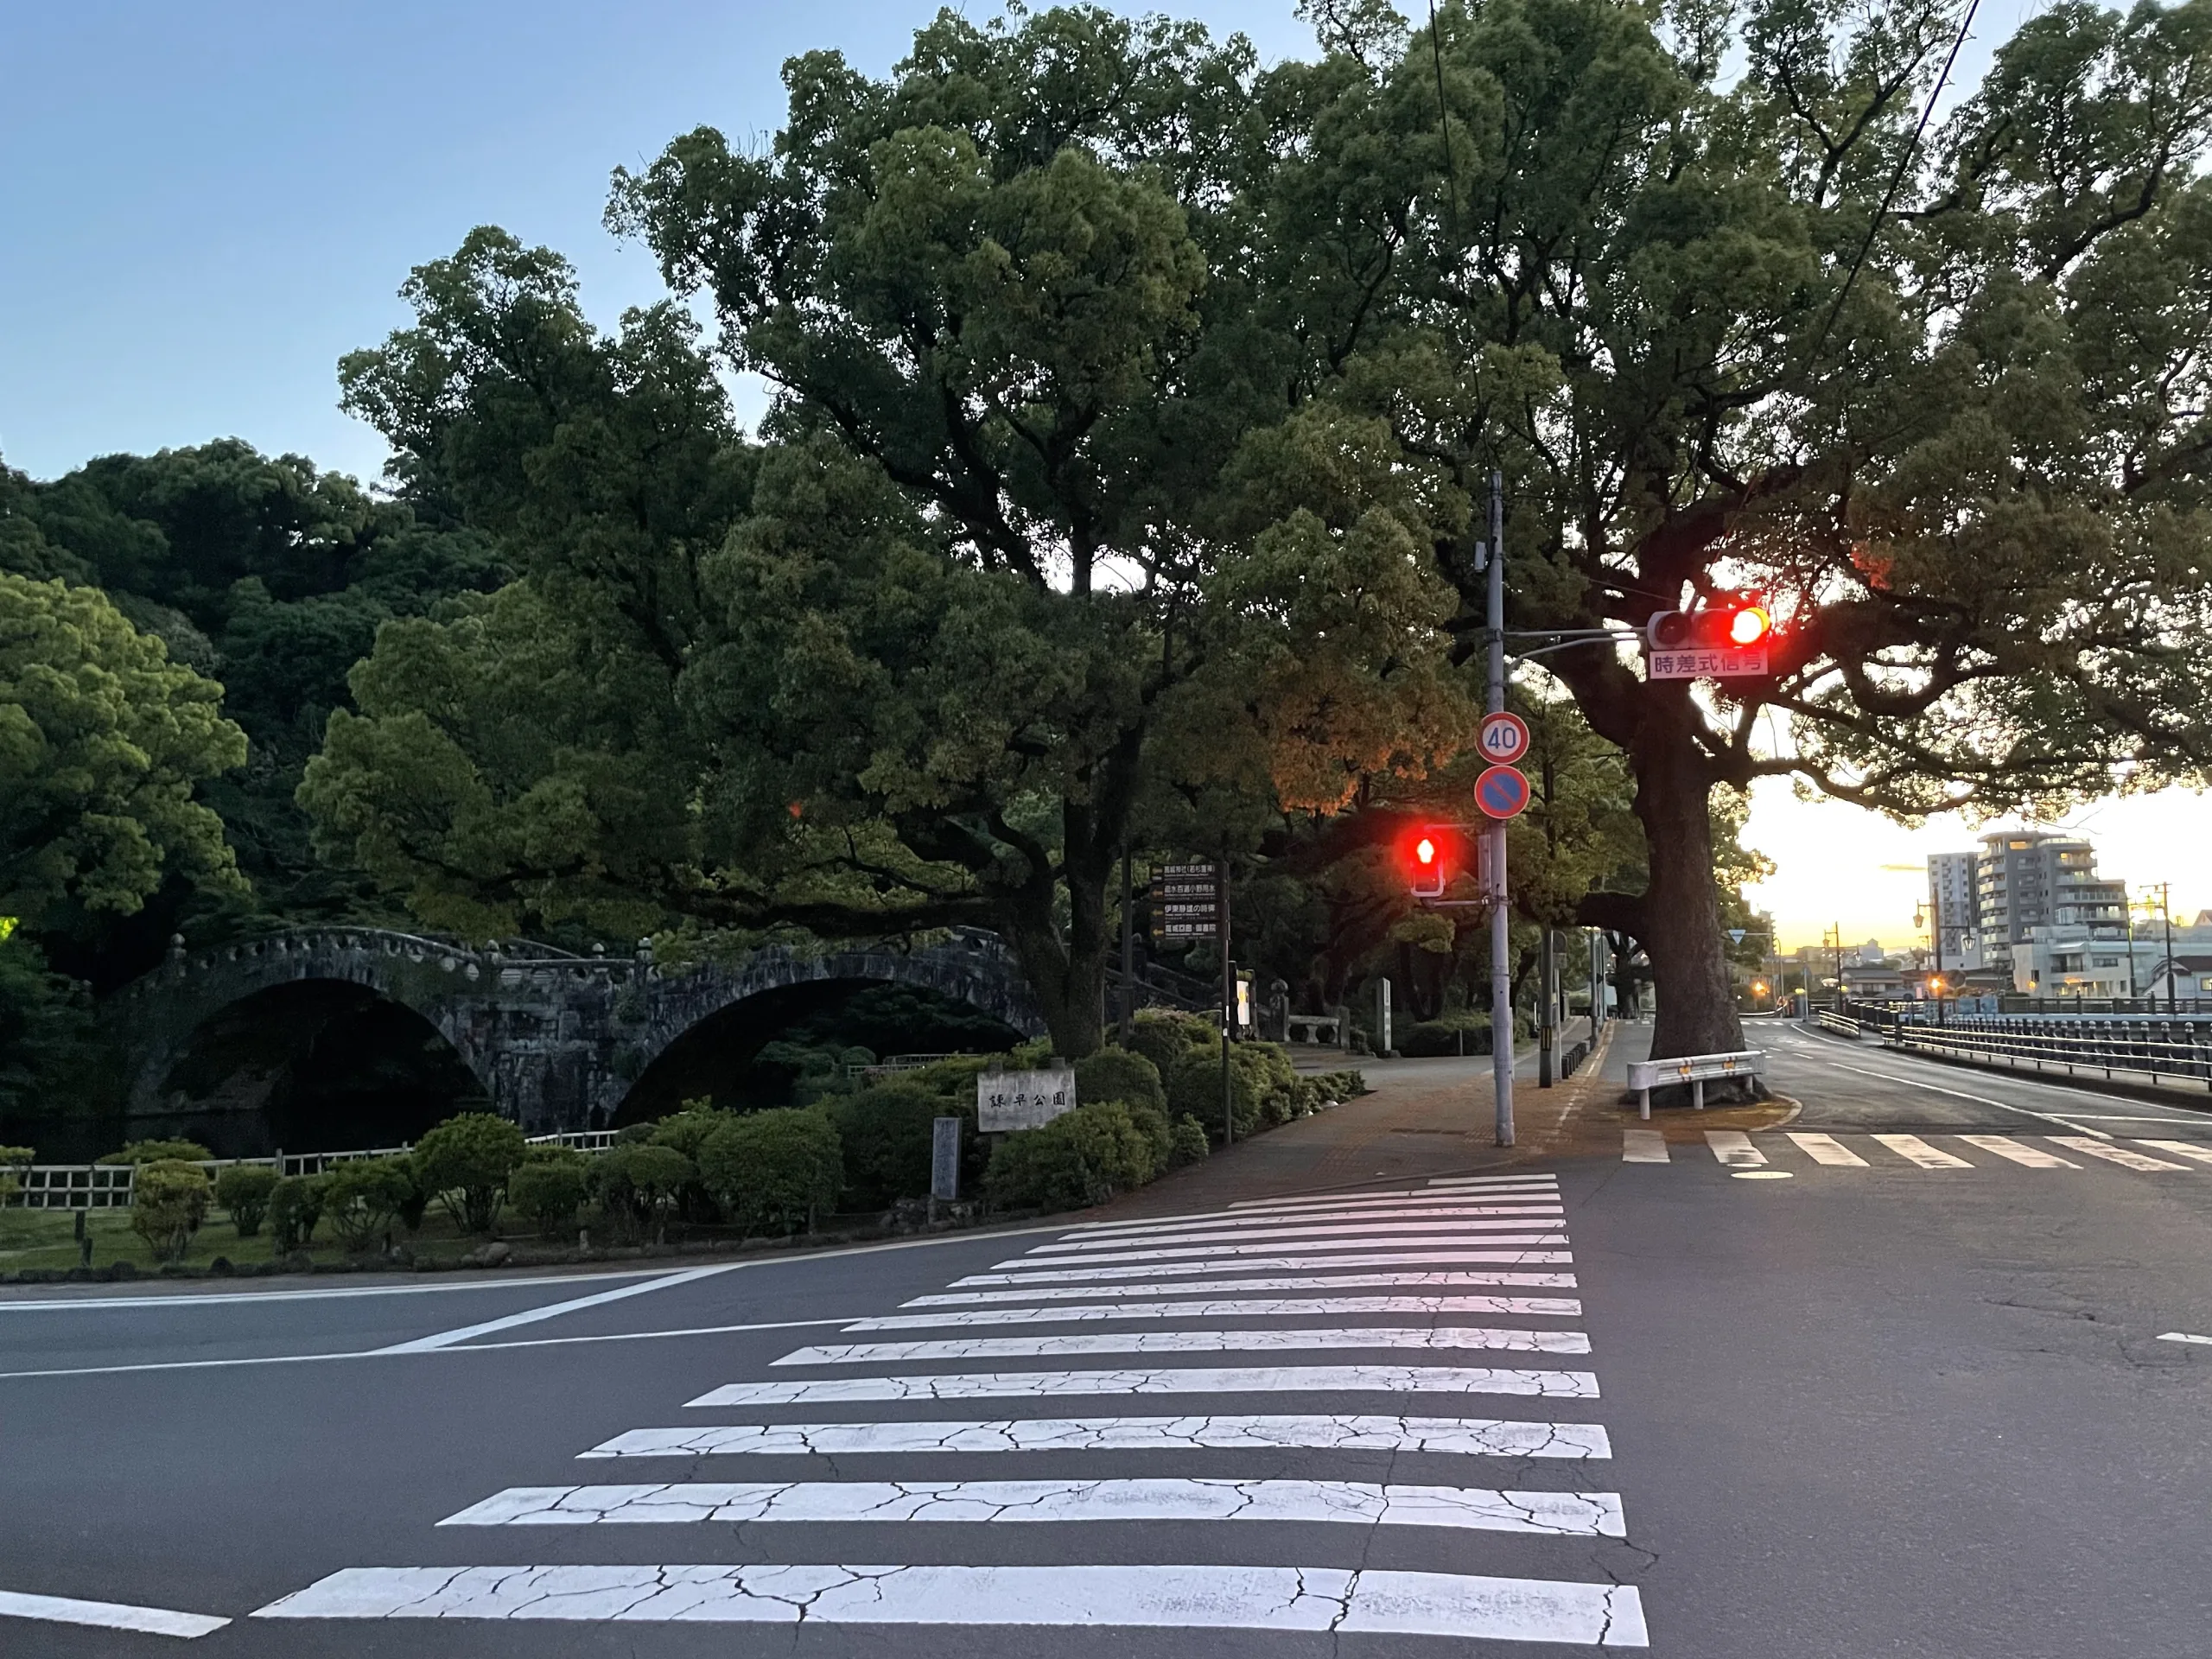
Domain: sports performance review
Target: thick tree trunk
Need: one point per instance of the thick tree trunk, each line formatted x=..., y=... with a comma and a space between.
x=1063, y=953
x=1682, y=911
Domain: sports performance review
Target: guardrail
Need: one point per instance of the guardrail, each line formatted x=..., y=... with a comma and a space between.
x=2106, y=1051
x=1696, y=1070
x=1830, y=1020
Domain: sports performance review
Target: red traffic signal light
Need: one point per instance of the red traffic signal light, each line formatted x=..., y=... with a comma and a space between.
x=1723, y=627
x=1428, y=865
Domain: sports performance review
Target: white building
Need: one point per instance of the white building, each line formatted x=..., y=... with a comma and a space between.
x=2078, y=960
x=1953, y=917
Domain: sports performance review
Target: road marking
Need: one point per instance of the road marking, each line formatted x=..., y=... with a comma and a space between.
x=1238, y=1379
x=1236, y=1286
x=1961, y=1094
x=1548, y=1215
x=1433, y=1338
x=1490, y=1180
x=1644, y=1147
x=1827, y=1149
x=1542, y=1184
x=1474, y=1437
x=2183, y=1336
x=210, y=1299
x=555, y=1310
x=1917, y=1151
x=2201, y=1153
x=108, y=1615
x=2126, y=1157
x=2018, y=1151
x=1223, y=1252
x=1321, y=1599
x=1272, y=1264
x=1734, y=1148
x=1565, y=1307
x=1570, y=1514
x=1439, y=1205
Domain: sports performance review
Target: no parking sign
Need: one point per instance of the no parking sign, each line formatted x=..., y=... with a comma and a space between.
x=1501, y=792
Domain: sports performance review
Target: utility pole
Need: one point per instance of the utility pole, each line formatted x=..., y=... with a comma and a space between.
x=2166, y=912
x=1228, y=1000
x=1128, y=955
x=1500, y=962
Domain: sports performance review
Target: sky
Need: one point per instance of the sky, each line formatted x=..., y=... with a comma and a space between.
x=206, y=205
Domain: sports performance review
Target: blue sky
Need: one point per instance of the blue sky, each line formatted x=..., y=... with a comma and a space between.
x=207, y=205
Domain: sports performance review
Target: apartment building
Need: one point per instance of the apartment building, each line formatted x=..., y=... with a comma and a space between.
x=2029, y=878
x=1955, y=921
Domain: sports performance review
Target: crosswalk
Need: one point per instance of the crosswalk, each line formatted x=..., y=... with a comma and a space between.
x=1342, y=1386
x=1810, y=1150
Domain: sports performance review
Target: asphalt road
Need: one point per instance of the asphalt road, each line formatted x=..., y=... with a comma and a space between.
x=1850, y=1399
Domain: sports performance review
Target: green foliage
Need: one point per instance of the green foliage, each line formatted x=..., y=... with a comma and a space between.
x=1166, y=1038
x=294, y=1207
x=102, y=739
x=548, y=1192
x=884, y=1132
x=637, y=1185
x=1159, y=1135
x=774, y=1171
x=1081, y=1158
x=148, y=1151
x=364, y=1195
x=687, y=1130
x=466, y=1161
x=1260, y=1083
x=45, y=1022
x=1189, y=1144
x=245, y=1189
x=169, y=1200
x=1119, y=1074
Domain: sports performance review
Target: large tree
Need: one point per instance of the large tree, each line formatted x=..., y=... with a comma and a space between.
x=1938, y=397
x=1033, y=535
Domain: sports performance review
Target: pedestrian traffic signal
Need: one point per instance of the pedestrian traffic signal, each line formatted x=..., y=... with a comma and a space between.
x=1722, y=627
x=1427, y=862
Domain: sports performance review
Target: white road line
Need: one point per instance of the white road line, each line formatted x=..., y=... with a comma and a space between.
x=1319, y=1599
x=1827, y=1149
x=1545, y=1185
x=1917, y=1151
x=2018, y=1151
x=1264, y=1226
x=1349, y=1246
x=1068, y=1344
x=1565, y=1307
x=1474, y=1437
x=1644, y=1147
x=1226, y=1379
x=1558, y=1514
x=1437, y=1204
x=2183, y=1336
x=215, y=1298
x=1490, y=1180
x=1545, y=1216
x=1238, y=1287
x=108, y=1615
x=1734, y=1148
x=2126, y=1157
x=1273, y=1264
x=554, y=1311
x=2196, y=1150
x=1961, y=1094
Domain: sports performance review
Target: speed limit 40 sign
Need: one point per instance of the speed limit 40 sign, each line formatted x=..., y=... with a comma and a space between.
x=1504, y=740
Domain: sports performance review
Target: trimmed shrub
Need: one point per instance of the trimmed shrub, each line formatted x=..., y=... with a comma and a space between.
x=1159, y=1135
x=465, y=1162
x=1260, y=1080
x=1189, y=1145
x=1119, y=1074
x=1340, y=1085
x=13, y=1161
x=635, y=1186
x=1429, y=1038
x=547, y=1191
x=243, y=1190
x=294, y=1206
x=364, y=1195
x=687, y=1130
x=773, y=1171
x=148, y=1151
x=884, y=1133
x=169, y=1200
x=1079, y=1159
x=1162, y=1037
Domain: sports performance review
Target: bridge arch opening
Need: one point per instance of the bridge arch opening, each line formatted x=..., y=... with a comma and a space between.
x=310, y=1065
x=769, y=1049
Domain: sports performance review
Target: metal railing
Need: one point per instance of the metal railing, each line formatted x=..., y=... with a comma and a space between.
x=2120, y=1048
x=1830, y=1020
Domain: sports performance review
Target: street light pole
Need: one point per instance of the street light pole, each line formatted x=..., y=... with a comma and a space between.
x=1500, y=962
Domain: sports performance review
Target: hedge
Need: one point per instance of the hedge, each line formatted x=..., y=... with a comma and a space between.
x=465, y=1161
x=1081, y=1158
x=169, y=1198
x=773, y=1171
x=547, y=1191
x=364, y=1195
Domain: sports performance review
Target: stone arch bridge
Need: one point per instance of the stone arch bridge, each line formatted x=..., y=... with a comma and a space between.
x=555, y=1039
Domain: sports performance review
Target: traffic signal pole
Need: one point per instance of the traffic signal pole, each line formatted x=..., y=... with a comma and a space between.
x=1501, y=962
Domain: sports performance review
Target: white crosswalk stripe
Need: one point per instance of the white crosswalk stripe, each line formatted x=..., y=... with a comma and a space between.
x=1902, y=1153
x=2126, y=1157
x=2198, y=1150
x=1827, y=1149
x=1915, y=1150
x=2019, y=1152
x=1429, y=1251
x=1734, y=1148
x=1644, y=1147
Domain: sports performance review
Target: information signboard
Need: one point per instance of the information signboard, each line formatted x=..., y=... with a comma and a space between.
x=1022, y=1100
x=1185, y=901
x=944, y=1159
x=1720, y=665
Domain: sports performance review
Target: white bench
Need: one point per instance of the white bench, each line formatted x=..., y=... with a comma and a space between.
x=1696, y=1070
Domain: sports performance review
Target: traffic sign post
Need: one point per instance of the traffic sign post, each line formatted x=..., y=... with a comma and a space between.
x=1503, y=739
x=1501, y=792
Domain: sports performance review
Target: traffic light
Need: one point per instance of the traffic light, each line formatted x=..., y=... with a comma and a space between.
x=1429, y=861
x=1721, y=627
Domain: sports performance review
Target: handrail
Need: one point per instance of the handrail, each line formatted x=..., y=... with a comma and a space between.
x=2108, y=1052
